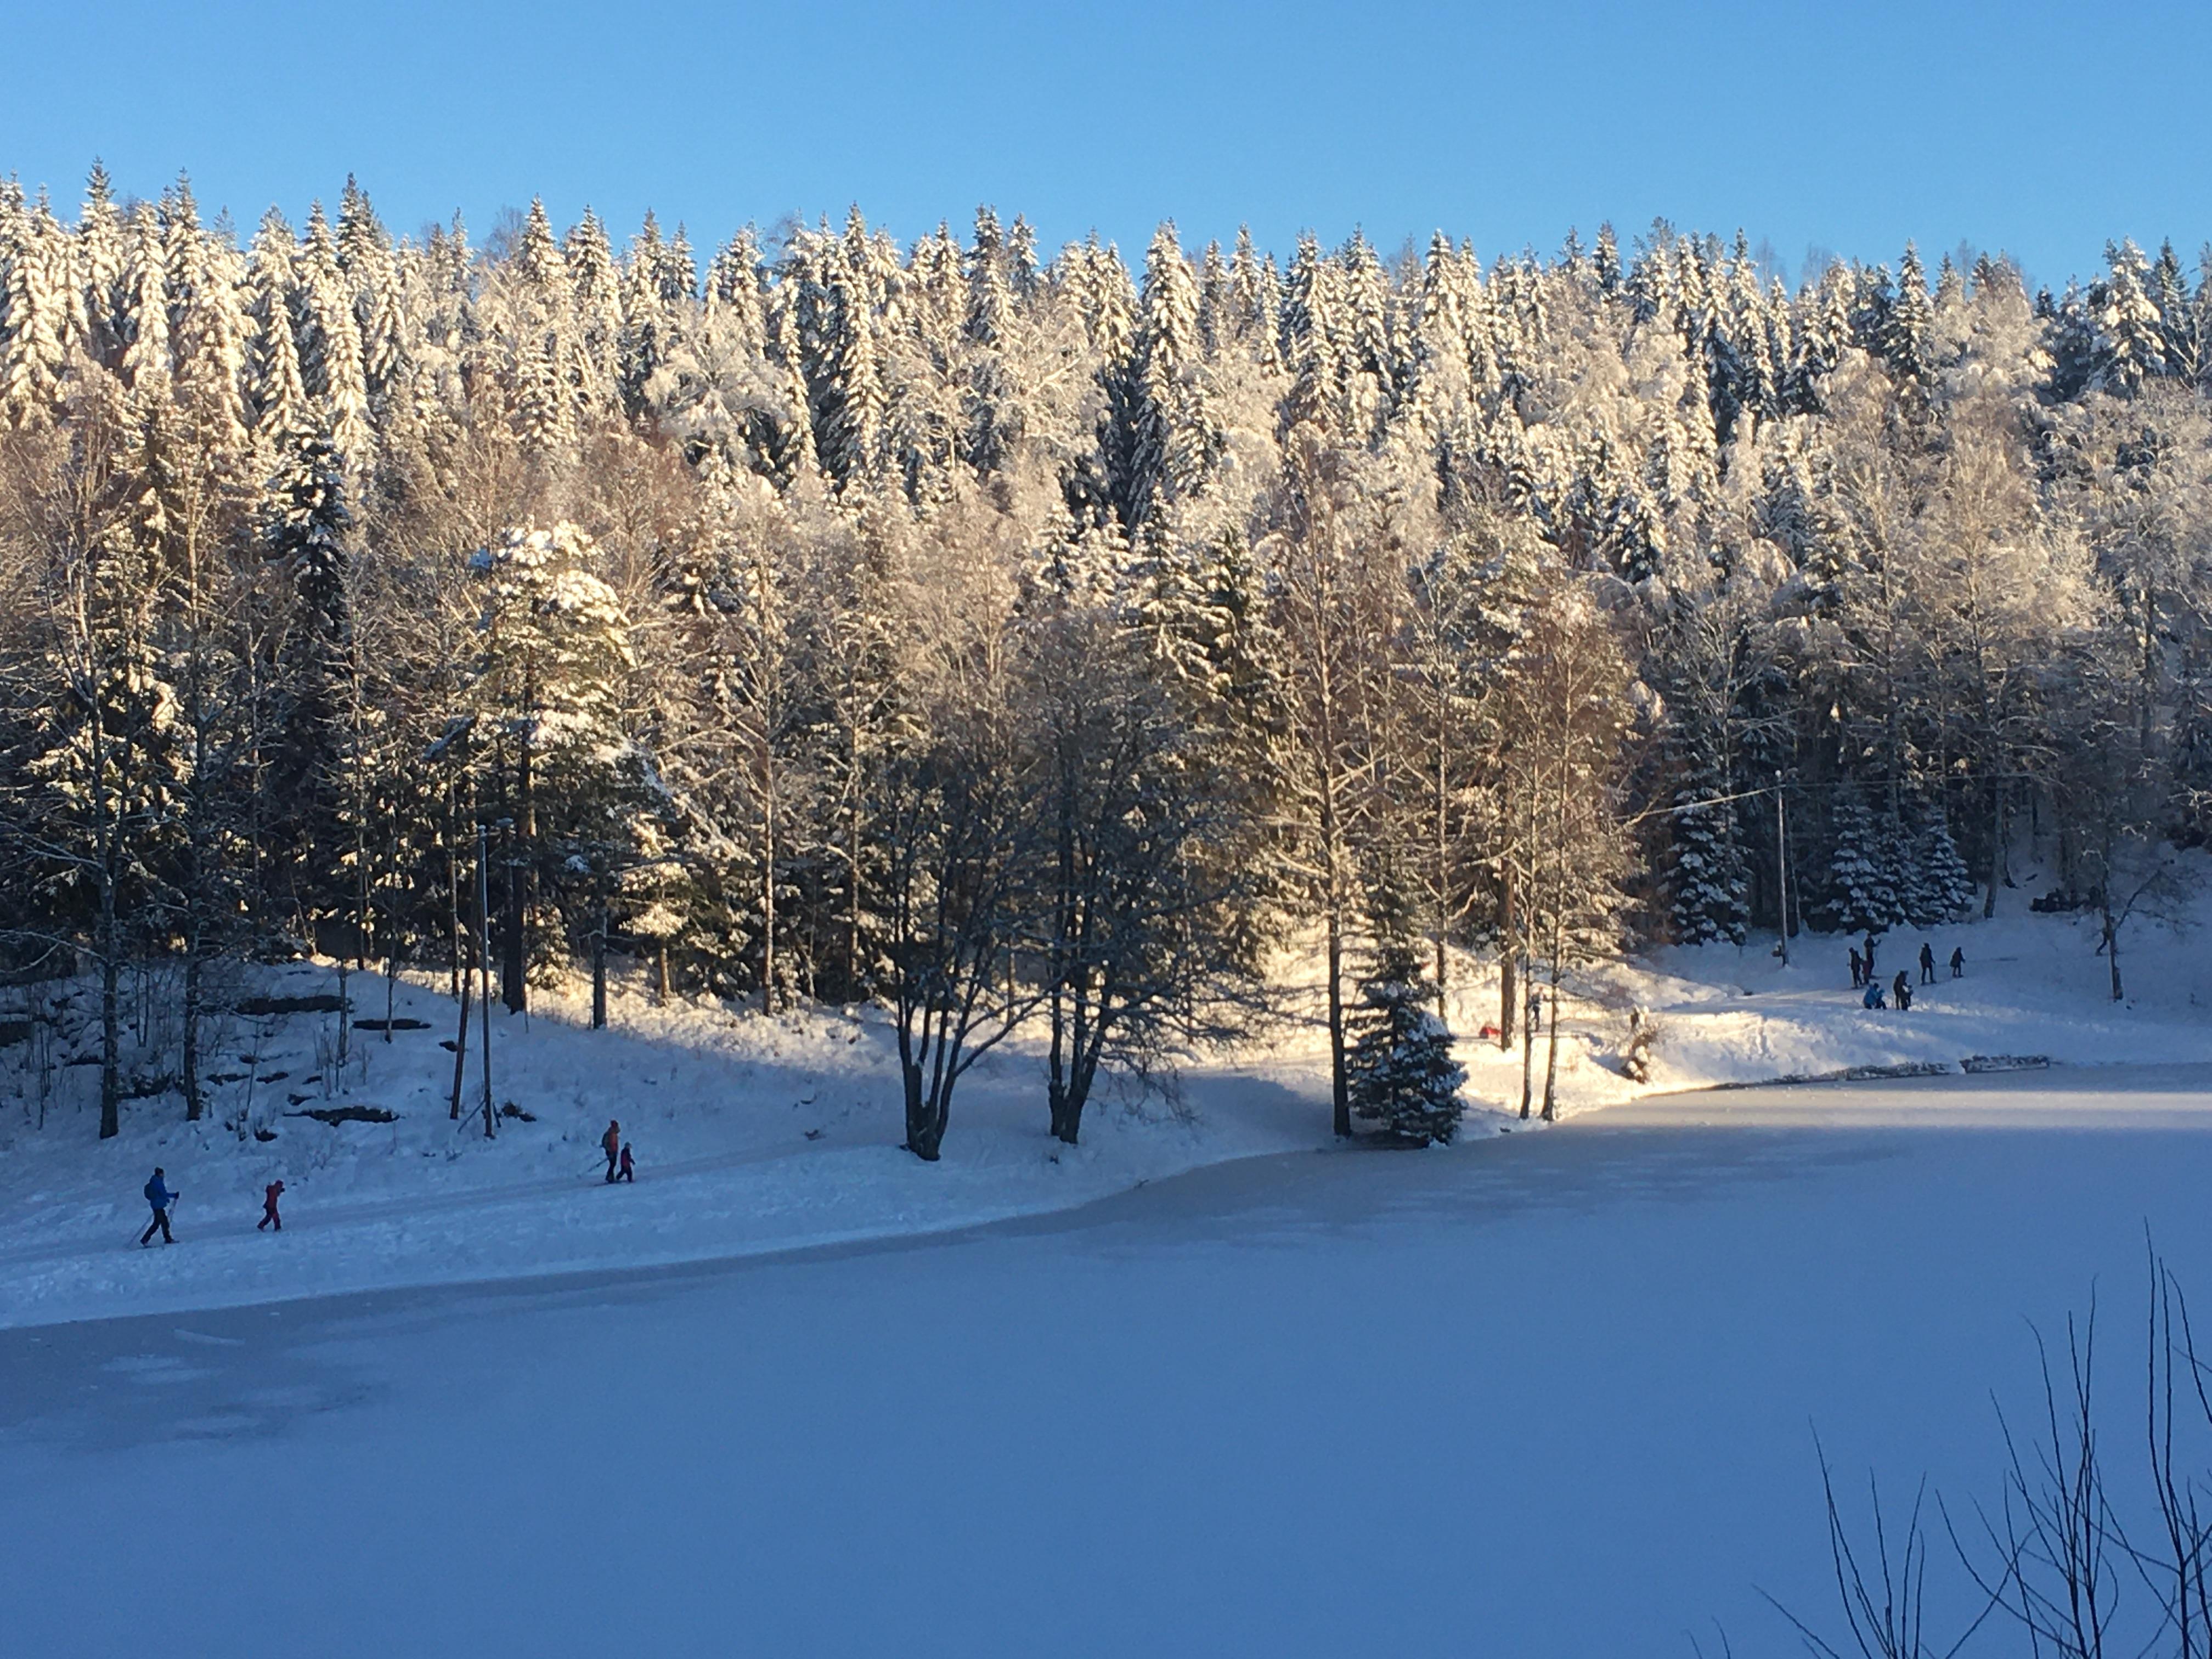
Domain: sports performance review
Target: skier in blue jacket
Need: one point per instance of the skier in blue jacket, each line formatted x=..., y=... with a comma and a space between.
x=159, y=1195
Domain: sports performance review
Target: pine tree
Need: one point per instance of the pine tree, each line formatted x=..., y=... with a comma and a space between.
x=535, y=339
x=2128, y=347
x=990, y=294
x=1399, y=1068
x=34, y=310
x=1934, y=885
x=1171, y=442
x=145, y=306
x=277, y=392
x=1313, y=335
x=1908, y=324
x=1862, y=881
x=207, y=321
x=548, y=689
x=98, y=269
x=1707, y=881
x=841, y=296
x=329, y=345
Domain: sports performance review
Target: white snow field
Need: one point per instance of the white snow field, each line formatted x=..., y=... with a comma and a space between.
x=1549, y=1395
x=758, y=1135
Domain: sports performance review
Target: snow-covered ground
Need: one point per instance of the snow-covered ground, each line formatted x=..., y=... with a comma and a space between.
x=1553, y=1395
x=756, y=1135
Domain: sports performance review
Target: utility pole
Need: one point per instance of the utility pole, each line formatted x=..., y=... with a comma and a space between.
x=1781, y=873
x=483, y=965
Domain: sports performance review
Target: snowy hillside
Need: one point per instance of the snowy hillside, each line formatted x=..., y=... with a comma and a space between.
x=756, y=1135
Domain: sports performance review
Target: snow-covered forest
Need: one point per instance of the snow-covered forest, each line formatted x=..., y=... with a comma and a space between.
x=1012, y=637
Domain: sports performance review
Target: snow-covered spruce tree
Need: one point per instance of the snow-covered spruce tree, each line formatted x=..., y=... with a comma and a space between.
x=595, y=286
x=93, y=716
x=1862, y=882
x=1706, y=880
x=2128, y=340
x=207, y=322
x=1401, y=1072
x=275, y=387
x=35, y=297
x=1171, y=443
x=549, y=695
x=97, y=269
x=314, y=777
x=330, y=349
x=1938, y=888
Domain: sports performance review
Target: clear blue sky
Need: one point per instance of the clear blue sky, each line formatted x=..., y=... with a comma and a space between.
x=2040, y=128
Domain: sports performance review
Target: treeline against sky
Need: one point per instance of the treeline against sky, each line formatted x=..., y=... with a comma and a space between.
x=1000, y=635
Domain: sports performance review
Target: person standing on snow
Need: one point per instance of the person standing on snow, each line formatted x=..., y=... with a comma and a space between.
x=628, y=1166
x=159, y=1195
x=1858, y=969
x=610, y=1143
x=1927, y=963
x=270, y=1195
x=1869, y=956
x=1902, y=990
x=1957, y=962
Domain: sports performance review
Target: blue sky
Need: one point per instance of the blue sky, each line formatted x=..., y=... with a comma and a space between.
x=2042, y=129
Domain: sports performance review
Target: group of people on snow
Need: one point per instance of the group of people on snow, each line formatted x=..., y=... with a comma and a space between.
x=1863, y=977
x=622, y=1165
x=162, y=1197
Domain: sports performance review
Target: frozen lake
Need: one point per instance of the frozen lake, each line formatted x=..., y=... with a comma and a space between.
x=1551, y=1395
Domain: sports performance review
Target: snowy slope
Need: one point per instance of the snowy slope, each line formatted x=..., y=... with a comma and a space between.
x=756, y=1135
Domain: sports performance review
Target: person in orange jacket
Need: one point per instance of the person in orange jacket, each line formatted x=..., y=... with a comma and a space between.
x=270, y=1195
x=610, y=1143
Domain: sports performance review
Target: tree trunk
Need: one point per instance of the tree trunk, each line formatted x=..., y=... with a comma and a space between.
x=461, y=1043
x=1339, y=1086
x=1527, y=1068
x=2111, y=943
x=1996, y=845
x=195, y=1107
x=924, y=1119
x=768, y=916
x=599, y=973
x=453, y=901
x=111, y=1032
x=515, y=950
x=1552, y=1049
x=660, y=974
x=1444, y=867
x=483, y=975
x=1509, y=985
x=1055, y=1071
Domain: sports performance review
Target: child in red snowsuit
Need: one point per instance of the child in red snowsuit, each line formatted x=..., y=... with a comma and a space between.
x=269, y=1216
x=628, y=1167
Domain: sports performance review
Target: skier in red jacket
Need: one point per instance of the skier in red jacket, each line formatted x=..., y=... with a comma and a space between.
x=270, y=1195
x=610, y=1143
